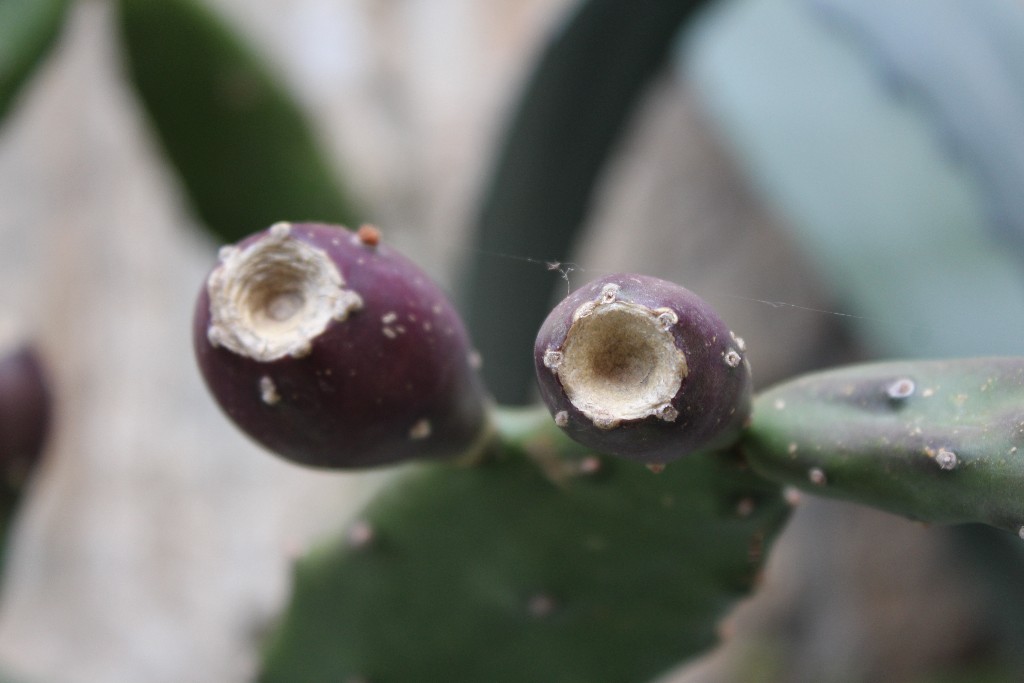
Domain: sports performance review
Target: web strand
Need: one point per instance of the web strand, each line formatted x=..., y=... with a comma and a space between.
x=567, y=268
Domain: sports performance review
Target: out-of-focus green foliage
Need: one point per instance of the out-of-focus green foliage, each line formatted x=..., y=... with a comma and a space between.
x=242, y=148
x=578, y=100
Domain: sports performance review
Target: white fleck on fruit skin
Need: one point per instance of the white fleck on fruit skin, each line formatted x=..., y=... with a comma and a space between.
x=552, y=359
x=420, y=430
x=668, y=413
x=268, y=391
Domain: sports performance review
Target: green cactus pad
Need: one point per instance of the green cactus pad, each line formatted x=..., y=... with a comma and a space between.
x=28, y=29
x=938, y=441
x=543, y=564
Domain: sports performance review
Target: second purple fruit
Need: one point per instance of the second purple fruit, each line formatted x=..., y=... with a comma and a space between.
x=634, y=366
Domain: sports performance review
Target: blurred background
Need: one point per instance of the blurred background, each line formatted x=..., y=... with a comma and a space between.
x=841, y=179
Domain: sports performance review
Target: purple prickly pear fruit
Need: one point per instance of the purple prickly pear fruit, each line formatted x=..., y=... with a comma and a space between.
x=333, y=350
x=634, y=366
x=25, y=410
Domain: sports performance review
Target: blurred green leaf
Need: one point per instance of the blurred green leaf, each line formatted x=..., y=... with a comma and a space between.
x=579, y=98
x=28, y=28
x=243, y=149
x=872, y=194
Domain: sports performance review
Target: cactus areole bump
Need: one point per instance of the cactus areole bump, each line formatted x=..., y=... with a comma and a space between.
x=333, y=350
x=642, y=368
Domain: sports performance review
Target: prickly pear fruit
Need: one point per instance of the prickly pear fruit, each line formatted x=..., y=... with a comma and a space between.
x=333, y=350
x=642, y=368
x=545, y=563
x=938, y=441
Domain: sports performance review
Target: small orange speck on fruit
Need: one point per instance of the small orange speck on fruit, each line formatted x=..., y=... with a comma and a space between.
x=368, y=235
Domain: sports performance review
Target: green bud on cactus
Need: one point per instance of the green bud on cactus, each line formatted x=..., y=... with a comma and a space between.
x=333, y=350
x=937, y=441
x=642, y=368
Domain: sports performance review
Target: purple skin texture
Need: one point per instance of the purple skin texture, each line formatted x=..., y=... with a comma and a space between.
x=25, y=412
x=390, y=379
x=665, y=337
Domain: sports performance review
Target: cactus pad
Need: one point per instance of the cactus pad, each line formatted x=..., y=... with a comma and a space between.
x=544, y=563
